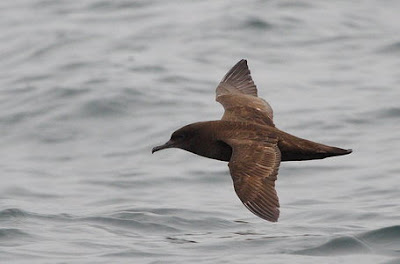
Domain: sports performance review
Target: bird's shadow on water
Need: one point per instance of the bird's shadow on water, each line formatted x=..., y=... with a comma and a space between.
x=383, y=241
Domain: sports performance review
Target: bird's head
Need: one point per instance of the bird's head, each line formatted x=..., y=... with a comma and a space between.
x=181, y=138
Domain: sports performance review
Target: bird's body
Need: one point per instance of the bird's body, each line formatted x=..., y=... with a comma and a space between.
x=247, y=138
x=209, y=141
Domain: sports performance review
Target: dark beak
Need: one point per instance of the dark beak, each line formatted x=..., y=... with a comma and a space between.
x=169, y=144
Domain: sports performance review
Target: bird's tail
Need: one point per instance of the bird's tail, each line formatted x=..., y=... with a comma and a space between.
x=293, y=149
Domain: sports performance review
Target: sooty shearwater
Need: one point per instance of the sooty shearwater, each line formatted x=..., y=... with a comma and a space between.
x=247, y=138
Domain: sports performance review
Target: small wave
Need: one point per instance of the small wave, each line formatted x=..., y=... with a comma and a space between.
x=102, y=108
x=12, y=213
x=337, y=246
x=143, y=226
x=172, y=219
x=257, y=23
x=393, y=261
x=390, y=48
x=387, y=238
x=115, y=6
x=9, y=236
x=392, y=112
x=376, y=115
x=176, y=240
x=384, y=241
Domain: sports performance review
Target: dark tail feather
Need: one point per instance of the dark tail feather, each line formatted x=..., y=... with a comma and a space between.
x=310, y=155
x=328, y=151
x=293, y=149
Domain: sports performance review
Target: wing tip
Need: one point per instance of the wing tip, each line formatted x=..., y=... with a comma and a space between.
x=239, y=78
x=270, y=215
x=242, y=61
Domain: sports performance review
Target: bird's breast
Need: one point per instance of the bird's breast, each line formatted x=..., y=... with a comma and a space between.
x=213, y=149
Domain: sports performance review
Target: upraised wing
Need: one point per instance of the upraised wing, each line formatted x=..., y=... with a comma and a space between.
x=254, y=168
x=238, y=95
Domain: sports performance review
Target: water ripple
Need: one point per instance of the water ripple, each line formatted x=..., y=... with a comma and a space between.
x=385, y=241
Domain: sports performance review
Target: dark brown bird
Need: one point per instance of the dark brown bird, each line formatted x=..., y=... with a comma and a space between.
x=247, y=138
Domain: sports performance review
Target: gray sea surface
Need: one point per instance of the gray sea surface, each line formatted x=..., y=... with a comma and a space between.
x=87, y=88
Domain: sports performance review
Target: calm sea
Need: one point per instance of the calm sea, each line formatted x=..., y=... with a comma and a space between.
x=87, y=88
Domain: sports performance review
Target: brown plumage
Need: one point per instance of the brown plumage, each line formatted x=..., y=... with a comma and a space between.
x=247, y=138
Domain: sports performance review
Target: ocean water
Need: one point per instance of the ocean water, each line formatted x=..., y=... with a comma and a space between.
x=87, y=88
